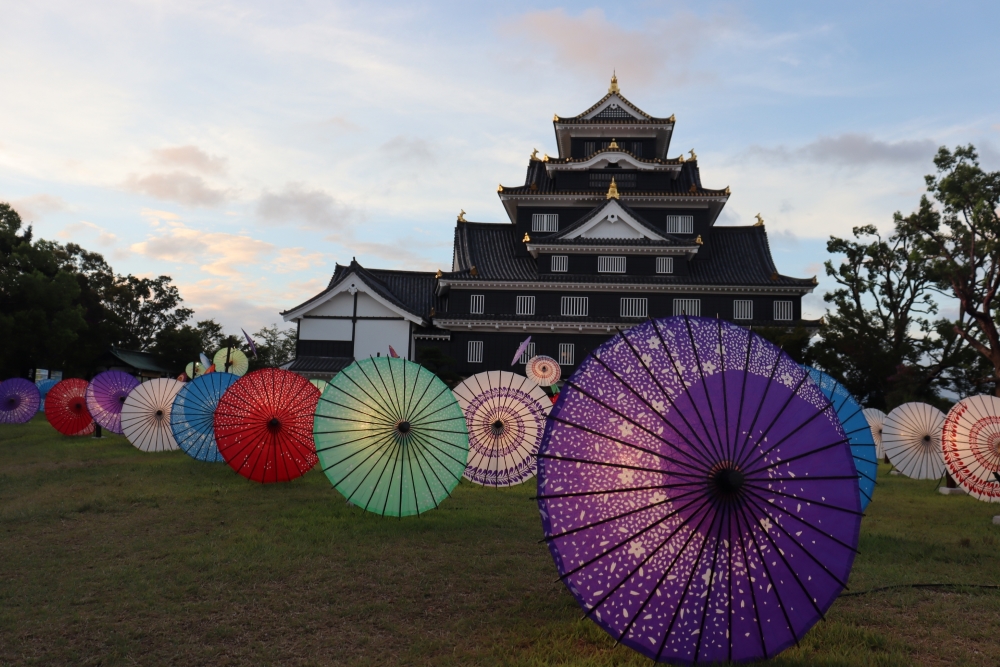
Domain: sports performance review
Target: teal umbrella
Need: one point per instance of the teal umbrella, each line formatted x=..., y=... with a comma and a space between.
x=391, y=436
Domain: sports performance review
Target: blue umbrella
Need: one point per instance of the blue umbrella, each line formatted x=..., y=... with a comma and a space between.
x=43, y=389
x=193, y=413
x=856, y=427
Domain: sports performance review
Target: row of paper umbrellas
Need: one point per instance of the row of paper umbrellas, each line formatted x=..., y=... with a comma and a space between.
x=700, y=493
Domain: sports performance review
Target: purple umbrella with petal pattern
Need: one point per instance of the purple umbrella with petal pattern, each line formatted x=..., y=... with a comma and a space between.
x=106, y=395
x=19, y=401
x=698, y=493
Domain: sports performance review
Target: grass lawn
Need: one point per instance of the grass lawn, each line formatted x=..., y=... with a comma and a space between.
x=110, y=556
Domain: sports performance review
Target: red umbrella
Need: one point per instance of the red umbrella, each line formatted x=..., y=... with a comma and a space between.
x=264, y=424
x=66, y=408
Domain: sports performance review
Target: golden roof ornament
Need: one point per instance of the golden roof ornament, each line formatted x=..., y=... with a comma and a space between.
x=680, y=158
x=672, y=119
x=526, y=239
x=534, y=154
x=693, y=189
x=439, y=273
x=555, y=118
x=760, y=221
x=694, y=156
x=613, y=189
x=433, y=311
x=461, y=216
x=613, y=88
x=613, y=144
x=774, y=276
x=474, y=271
x=815, y=282
x=727, y=190
x=698, y=240
x=545, y=158
x=500, y=188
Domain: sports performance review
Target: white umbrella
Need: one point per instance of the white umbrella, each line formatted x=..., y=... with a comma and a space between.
x=911, y=438
x=876, y=421
x=146, y=415
x=505, y=414
x=971, y=446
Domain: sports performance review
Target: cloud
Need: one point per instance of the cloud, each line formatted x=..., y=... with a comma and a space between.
x=217, y=253
x=407, y=150
x=312, y=208
x=73, y=232
x=190, y=157
x=341, y=123
x=852, y=150
x=590, y=44
x=177, y=186
x=295, y=259
x=33, y=207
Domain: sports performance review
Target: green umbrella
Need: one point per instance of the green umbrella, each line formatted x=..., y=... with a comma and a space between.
x=391, y=436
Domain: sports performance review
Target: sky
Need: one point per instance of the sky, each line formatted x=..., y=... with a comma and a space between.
x=245, y=148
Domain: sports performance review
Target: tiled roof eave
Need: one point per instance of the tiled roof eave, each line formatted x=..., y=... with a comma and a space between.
x=522, y=191
x=554, y=284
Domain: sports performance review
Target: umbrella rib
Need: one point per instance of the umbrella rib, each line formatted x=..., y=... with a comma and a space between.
x=389, y=452
x=379, y=447
x=397, y=401
x=708, y=586
x=621, y=490
x=764, y=490
x=816, y=530
x=427, y=452
x=775, y=582
x=798, y=428
x=615, y=465
x=551, y=538
x=652, y=452
x=725, y=391
x=418, y=452
x=714, y=446
x=741, y=449
x=430, y=444
x=779, y=463
x=750, y=584
x=391, y=398
x=375, y=402
x=351, y=408
x=687, y=586
x=416, y=417
x=718, y=445
x=419, y=404
x=760, y=508
x=625, y=541
x=663, y=391
x=397, y=457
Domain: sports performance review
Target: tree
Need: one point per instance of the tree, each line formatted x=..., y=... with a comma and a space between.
x=879, y=340
x=962, y=242
x=40, y=318
x=145, y=307
x=176, y=347
x=274, y=347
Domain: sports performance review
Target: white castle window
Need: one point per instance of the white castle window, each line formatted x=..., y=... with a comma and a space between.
x=664, y=264
x=680, y=224
x=574, y=306
x=545, y=222
x=783, y=310
x=476, y=304
x=475, y=351
x=567, y=354
x=525, y=305
x=528, y=353
x=610, y=264
x=742, y=309
x=560, y=263
x=634, y=307
x=687, y=307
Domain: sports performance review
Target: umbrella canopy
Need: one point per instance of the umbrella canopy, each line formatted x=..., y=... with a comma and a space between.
x=876, y=422
x=192, y=418
x=971, y=446
x=697, y=492
x=44, y=386
x=66, y=408
x=106, y=395
x=505, y=415
x=520, y=350
x=231, y=360
x=391, y=437
x=19, y=401
x=543, y=371
x=146, y=415
x=263, y=425
x=319, y=384
x=856, y=427
x=911, y=438
x=194, y=369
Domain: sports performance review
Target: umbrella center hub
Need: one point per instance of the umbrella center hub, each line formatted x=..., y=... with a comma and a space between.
x=927, y=439
x=727, y=480
x=12, y=401
x=403, y=428
x=274, y=425
x=159, y=413
x=498, y=427
x=121, y=399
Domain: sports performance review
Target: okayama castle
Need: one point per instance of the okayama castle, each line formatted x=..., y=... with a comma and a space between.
x=609, y=233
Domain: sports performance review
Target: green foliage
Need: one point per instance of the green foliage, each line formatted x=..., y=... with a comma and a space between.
x=439, y=363
x=795, y=342
x=176, y=347
x=274, y=347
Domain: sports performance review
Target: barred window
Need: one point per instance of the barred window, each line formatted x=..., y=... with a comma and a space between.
x=525, y=305
x=680, y=224
x=476, y=304
x=589, y=148
x=545, y=222
x=687, y=307
x=637, y=148
x=742, y=309
x=634, y=307
x=602, y=179
x=567, y=354
x=574, y=306
x=783, y=310
x=610, y=264
x=528, y=353
x=560, y=263
x=475, y=351
x=664, y=264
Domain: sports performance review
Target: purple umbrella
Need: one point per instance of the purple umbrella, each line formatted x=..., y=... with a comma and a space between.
x=520, y=350
x=698, y=493
x=19, y=401
x=106, y=395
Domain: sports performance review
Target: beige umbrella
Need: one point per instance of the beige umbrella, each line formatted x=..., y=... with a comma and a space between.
x=146, y=415
x=876, y=421
x=971, y=446
x=911, y=439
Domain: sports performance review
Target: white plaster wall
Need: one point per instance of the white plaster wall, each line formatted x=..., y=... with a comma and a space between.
x=325, y=330
x=606, y=229
x=374, y=337
x=369, y=307
x=342, y=304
